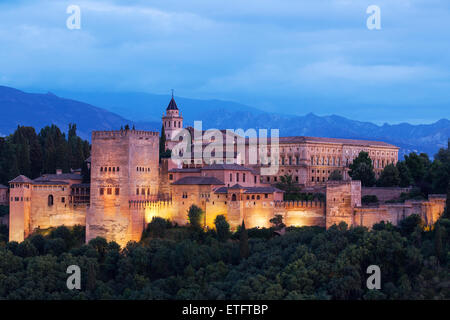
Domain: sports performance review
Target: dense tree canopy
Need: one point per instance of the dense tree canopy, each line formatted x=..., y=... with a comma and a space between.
x=305, y=263
x=25, y=152
x=362, y=169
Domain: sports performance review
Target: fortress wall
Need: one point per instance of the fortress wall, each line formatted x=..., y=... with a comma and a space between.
x=384, y=194
x=342, y=197
x=136, y=154
x=43, y=215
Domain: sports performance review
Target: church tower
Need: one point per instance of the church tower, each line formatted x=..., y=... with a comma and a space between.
x=172, y=123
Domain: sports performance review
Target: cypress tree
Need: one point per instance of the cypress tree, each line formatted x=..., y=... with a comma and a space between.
x=243, y=242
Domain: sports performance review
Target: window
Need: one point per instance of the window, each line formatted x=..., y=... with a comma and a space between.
x=118, y=169
x=266, y=195
x=109, y=191
x=101, y=169
x=102, y=191
x=254, y=179
x=50, y=200
x=237, y=177
x=258, y=197
x=233, y=197
x=137, y=191
x=170, y=176
x=117, y=191
x=243, y=177
x=63, y=200
x=231, y=177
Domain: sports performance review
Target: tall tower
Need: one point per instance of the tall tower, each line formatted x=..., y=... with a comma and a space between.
x=19, y=208
x=172, y=123
x=124, y=169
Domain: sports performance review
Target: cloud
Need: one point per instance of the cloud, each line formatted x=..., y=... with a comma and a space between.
x=262, y=52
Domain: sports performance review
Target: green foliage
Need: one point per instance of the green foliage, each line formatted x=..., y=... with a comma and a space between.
x=287, y=184
x=157, y=228
x=222, y=228
x=4, y=210
x=243, y=242
x=369, y=199
x=404, y=174
x=25, y=152
x=362, y=169
x=390, y=177
x=306, y=263
x=335, y=175
x=195, y=215
x=277, y=222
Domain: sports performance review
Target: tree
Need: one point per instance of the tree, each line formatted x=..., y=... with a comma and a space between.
x=335, y=176
x=277, y=221
x=162, y=141
x=157, y=227
x=438, y=242
x=287, y=184
x=195, y=217
x=418, y=166
x=243, y=242
x=404, y=174
x=362, y=169
x=222, y=227
x=390, y=177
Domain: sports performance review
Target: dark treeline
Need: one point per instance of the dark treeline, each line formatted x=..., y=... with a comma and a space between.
x=31, y=154
x=174, y=262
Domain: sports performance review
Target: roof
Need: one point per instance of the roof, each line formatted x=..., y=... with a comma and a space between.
x=80, y=185
x=227, y=166
x=185, y=170
x=61, y=176
x=366, y=143
x=172, y=105
x=249, y=189
x=198, y=181
x=21, y=179
x=3, y=187
x=49, y=182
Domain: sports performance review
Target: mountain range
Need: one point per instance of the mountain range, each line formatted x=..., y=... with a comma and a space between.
x=107, y=111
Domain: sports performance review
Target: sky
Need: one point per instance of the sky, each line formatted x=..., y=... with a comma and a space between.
x=288, y=56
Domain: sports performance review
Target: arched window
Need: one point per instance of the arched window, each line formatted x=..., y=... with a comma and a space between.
x=50, y=200
x=233, y=197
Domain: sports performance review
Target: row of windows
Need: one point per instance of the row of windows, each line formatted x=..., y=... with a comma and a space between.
x=109, y=191
x=174, y=124
x=109, y=169
x=142, y=191
x=19, y=199
x=142, y=169
x=16, y=185
x=50, y=199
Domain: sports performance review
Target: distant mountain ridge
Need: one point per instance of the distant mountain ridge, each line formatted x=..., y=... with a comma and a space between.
x=38, y=110
x=107, y=111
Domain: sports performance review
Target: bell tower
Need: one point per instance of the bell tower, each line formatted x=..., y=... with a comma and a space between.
x=172, y=123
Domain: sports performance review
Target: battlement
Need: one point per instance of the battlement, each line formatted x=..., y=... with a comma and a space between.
x=299, y=204
x=142, y=204
x=113, y=134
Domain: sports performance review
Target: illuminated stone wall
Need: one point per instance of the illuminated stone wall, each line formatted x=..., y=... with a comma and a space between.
x=131, y=161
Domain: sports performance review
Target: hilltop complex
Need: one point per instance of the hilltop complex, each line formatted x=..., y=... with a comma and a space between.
x=130, y=184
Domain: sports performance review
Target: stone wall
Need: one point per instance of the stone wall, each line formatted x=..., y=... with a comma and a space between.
x=384, y=194
x=134, y=157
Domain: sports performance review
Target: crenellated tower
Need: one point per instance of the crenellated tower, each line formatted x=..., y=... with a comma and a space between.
x=124, y=168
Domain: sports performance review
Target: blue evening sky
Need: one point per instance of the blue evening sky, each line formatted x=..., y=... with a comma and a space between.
x=287, y=56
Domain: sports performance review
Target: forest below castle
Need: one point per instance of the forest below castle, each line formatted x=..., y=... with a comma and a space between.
x=172, y=262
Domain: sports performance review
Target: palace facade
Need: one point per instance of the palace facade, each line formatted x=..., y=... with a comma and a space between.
x=129, y=185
